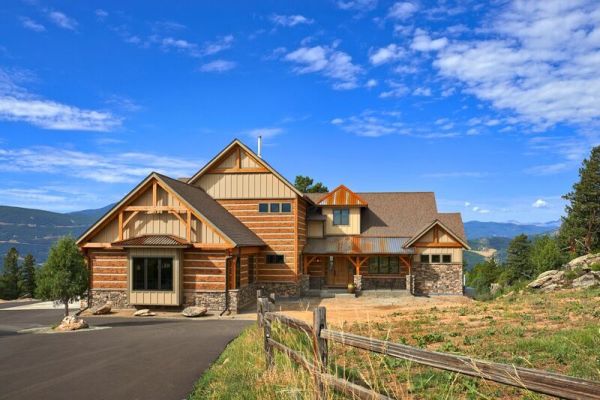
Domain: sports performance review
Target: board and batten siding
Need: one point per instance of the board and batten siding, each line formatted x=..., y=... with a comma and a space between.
x=277, y=230
x=244, y=186
x=163, y=223
x=156, y=297
x=315, y=229
x=353, y=228
x=108, y=269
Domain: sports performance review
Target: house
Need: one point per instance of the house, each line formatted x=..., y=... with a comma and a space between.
x=238, y=225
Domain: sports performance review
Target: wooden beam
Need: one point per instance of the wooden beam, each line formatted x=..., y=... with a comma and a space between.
x=98, y=245
x=188, y=230
x=179, y=217
x=121, y=225
x=250, y=250
x=155, y=208
x=236, y=170
x=212, y=246
x=239, y=158
x=154, y=194
x=405, y=262
x=445, y=245
x=130, y=218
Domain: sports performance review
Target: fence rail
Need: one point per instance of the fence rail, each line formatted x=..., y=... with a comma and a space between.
x=538, y=381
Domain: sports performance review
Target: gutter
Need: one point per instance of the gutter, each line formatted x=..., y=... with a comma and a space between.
x=227, y=261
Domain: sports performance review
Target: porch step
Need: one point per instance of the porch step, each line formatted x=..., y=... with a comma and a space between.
x=329, y=293
x=385, y=293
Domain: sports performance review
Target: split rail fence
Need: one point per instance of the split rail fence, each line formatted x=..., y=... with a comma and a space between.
x=533, y=380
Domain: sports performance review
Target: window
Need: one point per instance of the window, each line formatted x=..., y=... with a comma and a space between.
x=435, y=258
x=341, y=216
x=384, y=265
x=152, y=273
x=275, y=208
x=425, y=258
x=251, y=269
x=447, y=258
x=275, y=259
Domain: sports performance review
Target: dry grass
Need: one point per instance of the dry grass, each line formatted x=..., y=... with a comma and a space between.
x=555, y=331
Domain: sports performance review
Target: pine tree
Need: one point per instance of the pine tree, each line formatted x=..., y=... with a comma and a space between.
x=64, y=276
x=518, y=265
x=580, y=229
x=28, y=276
x=545, y=254
x=11, y=275
x=305, y=185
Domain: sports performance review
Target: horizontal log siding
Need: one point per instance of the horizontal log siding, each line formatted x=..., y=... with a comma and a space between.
x=203, y=271
x=301, y=231
x=276, y=230
x=108, y=269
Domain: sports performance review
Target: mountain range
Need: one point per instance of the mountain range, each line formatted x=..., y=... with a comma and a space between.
x=33, y=231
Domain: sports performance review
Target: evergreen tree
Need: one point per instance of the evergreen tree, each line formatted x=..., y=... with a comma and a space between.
x=545, y=254
x=518, y=265
x=64, y=276
x=28, y=276
x=10, y=275
x=305, y=185
x=580, y=230
x=482, y=276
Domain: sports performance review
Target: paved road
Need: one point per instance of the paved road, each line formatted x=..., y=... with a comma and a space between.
x=135, y=359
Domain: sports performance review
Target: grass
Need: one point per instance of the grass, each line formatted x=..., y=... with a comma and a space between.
x=558, y=332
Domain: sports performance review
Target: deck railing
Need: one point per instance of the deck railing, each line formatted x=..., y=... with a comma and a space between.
x=533, y=380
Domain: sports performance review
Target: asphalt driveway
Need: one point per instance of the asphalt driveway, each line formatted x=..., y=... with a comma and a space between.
x=135, y=359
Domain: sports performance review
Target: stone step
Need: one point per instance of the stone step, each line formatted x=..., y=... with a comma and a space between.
x=385, y=293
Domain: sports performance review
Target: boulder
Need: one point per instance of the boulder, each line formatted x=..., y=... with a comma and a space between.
x=495, y=288
x=583, y=262
x=194, y=311
x=586, y=280
x=103, y=309
x=144, y=312
x=552, y=277
x=71, y=323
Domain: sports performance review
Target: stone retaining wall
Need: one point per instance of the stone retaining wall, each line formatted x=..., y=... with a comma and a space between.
x=374, y=283
x=438, y=278
x=117, y=297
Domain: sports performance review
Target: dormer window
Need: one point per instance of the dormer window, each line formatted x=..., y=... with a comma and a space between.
x=341, y=216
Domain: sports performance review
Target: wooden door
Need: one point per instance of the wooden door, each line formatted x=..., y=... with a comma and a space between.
x=340, y=274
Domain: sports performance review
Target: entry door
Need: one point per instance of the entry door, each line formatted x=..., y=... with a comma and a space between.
x=341, y=273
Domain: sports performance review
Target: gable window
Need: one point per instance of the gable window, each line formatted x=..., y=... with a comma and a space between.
x=286, y=207
x=151, y=273
x=341, y=216
x=384, y=265
x=275, y=259
x=425, y=258
x=447, y=258
x=435, y=258
x=274, y=208
x=263, y=207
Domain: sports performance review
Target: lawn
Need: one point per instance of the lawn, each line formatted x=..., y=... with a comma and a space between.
x=559, y=332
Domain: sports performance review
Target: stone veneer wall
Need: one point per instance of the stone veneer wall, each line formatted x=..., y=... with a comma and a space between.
x=281, y=289
x=374, y=283
x=438, y=278
x=101, y=296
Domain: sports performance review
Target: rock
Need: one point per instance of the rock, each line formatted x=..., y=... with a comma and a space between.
x=103, y=309
x=552, y=277
x=144, y=312
x=583, y=262
x=71, y=323
x=194, y=311
x=495, y=288
x=549, y=288
x=585, y=281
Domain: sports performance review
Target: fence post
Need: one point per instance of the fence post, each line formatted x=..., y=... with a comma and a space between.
x=264, y=307
x=259, y=310
x=320, y=349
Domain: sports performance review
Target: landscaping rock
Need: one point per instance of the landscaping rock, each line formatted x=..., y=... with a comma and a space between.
x=495, y=288
x=71, y=323
x=583, y=262
x=144, y=312
x=194, y=311
x=585, y=281
x=103, y=309
x=553, y=278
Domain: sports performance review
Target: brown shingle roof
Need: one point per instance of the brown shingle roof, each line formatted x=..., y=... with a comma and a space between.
x=239, y=233
x=455, y=223
x=152, y=241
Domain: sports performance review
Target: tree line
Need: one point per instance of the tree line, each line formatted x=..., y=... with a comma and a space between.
x=579, y=234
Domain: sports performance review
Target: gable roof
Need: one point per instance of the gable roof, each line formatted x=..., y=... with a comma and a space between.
x=232, y=229
x=225, y=151
x=342, y=196
x=443, y=226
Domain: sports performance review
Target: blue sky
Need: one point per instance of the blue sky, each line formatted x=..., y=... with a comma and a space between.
x=492, y=106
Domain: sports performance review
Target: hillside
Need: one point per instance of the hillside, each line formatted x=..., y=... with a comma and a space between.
x=33, y=231
x=480, y=229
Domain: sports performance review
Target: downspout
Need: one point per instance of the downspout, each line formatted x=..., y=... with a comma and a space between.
x=227, y=260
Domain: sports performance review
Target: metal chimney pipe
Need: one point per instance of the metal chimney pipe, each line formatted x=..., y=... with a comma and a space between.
x=259, y=146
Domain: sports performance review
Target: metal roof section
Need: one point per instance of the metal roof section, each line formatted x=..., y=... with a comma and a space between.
x=152, y=241
x=342, y=196
x=358, y=245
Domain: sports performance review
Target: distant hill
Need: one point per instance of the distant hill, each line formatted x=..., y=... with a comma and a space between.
x=34, y=231
x=479, y=229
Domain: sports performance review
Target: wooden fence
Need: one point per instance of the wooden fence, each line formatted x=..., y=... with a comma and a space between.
x=525, y=378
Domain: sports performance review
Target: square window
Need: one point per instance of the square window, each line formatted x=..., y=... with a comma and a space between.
x=139, y=274
x=275, y=259
x=425, y=258
x=341, y=216
x=152, y=273
x=166, y=274
x=374, y=265
x=274, y=207
x=394, y=265
x=263, y=207
x=286, y=207
x=384, y=265
x=447, y=258
x=435, y=258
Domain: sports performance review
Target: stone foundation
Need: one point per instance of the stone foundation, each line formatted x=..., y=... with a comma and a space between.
x=358, y=286
x=304, y=284
x=381, y=283
x=281, y=289
x=438, y=279
x=118, y=298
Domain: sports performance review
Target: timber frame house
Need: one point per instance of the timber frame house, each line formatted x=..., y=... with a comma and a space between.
x=238, y=225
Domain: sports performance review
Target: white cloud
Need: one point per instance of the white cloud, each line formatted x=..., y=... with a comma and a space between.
x=423, y=42
x=480, y=210
x=222, y=43
x=290, y=20
x=327, y=61
x=403, y=10
x=421, y=91
x=357, y=5
x=537, y=59
x=264, y=132
x=467, y=204
x=337, y=121
x=32, y=25
x=391, y=52
x=62, y=21
x=371, y=83
x=218, y=66
x=396, y=90
x=372, y=124
x=540, y=203
x=110, y=168
x=101, y=14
